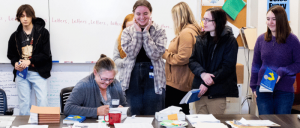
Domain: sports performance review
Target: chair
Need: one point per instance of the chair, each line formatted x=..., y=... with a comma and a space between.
x=3, y=104
x=64, y=95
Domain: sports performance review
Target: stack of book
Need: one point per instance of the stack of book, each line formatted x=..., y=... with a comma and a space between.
x=44, y=114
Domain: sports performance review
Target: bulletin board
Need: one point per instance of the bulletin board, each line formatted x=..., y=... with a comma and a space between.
x=239, y=22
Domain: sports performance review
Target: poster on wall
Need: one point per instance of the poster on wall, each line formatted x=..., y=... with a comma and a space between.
x=284, y=3
x=212, y=2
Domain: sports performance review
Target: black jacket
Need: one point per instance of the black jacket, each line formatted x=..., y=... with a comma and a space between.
x=41, y=54
x=222, y=64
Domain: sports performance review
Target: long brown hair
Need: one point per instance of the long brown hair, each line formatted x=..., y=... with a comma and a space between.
x=220, y=19
x=283, y=28
x=129, y=17
x=182, y=16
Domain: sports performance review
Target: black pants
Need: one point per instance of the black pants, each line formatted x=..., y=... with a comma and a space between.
x=173, y=97
x=141, y=95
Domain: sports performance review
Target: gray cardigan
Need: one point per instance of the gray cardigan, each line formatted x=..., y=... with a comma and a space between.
x=85, y=97
x=118, y=60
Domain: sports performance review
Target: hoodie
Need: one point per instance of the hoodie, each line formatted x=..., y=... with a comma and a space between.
x=41, y=54
x=221, y=63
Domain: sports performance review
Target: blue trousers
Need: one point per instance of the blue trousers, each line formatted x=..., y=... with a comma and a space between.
x=33, y=81
x=278, y=102
x=141, y=95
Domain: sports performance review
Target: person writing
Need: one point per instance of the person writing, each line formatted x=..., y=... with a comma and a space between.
x=93, y=95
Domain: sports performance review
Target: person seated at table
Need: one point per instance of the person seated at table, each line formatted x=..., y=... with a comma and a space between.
x=93, y=95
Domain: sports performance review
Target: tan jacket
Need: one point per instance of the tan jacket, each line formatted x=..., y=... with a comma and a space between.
x=177, y=56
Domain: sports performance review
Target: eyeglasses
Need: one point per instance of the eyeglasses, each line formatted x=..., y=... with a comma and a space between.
x=206, y=20
x=108, y=80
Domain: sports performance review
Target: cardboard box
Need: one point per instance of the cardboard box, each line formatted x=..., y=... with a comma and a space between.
x=240, y=73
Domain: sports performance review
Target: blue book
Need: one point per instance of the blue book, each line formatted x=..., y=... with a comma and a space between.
x=268, y=81
x=23, y=73
x=190, y=97
x=71, y=119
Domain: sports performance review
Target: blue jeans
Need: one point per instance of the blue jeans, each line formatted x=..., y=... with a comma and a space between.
x=140, y=95
x=33, y=81
x=278, y=102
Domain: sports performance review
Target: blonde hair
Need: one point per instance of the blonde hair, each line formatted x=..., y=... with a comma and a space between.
x=182, y=15
x=105, y=64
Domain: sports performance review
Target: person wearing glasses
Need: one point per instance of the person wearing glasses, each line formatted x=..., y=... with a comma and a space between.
x=95, y=94
x=213, y=63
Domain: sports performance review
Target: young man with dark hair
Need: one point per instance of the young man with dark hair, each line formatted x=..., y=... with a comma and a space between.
x=29, y=46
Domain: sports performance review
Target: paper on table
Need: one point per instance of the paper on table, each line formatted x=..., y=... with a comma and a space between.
x=90, y=125
x=139, y=120
x=133, y=125
x=235, y=30
x=204, y=118
x=210, y=125
x=33, y=118
x=6, y=120
x=171, y=110
x=245, y=122
x=31, y=126
x=123, y=110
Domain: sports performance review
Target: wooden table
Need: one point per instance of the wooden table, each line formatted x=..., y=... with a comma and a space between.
x=285, y=120
x=22, y=120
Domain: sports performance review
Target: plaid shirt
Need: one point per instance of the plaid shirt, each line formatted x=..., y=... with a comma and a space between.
x=154, y=44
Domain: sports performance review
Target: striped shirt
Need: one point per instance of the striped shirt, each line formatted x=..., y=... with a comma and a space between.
x=154, y=44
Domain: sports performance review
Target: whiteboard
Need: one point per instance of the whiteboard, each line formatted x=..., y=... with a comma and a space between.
x=8, y=24
x=81, y=30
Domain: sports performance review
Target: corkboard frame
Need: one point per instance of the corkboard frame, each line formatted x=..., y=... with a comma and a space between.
x=239, y=22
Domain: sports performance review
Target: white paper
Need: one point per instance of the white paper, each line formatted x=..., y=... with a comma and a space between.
x=33, y=126
x=263, y=89
x=33, y=118
x=133, y=125
x=123, y=110
x=204, y=118
x=212, y=2
x=245, y=122
x=90, y=125
x=171, y=110
x=211, y=125
x=148, y=120
x=6, y=121
x=235, y=30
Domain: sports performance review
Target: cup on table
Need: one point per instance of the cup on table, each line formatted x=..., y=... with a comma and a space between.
x=114, y=117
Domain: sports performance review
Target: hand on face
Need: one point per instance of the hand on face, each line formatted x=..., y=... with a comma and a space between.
x=137, y=26
x=148, y=25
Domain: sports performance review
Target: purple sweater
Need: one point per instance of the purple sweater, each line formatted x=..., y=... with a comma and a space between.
x=282, y=58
